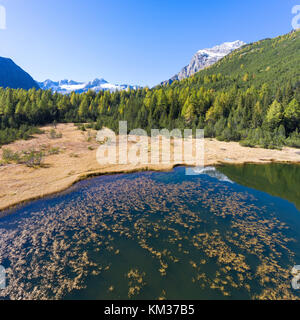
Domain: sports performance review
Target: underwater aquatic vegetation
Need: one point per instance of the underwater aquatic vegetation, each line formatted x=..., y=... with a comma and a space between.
x=138, y=236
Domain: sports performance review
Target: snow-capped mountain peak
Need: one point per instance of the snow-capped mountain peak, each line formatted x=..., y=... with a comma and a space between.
x=205, y=58
x=67, y=86
x=222, y=49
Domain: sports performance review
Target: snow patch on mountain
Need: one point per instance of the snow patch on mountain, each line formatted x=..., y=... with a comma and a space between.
x=205, y=58
x=68, y=86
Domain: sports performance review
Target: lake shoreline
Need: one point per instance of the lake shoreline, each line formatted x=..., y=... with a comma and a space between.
x=76, y=161
x=6, y=210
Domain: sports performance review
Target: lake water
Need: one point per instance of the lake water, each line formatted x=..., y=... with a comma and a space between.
x=231, y=233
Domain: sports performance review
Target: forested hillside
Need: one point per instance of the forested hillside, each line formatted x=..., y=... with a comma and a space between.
x=272, y=61
x=252, y=96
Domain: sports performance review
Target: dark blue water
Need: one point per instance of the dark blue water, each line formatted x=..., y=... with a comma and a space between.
x=154, y=236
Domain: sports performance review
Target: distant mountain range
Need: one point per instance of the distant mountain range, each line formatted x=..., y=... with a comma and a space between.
x=205, y=58
x=12, y=76
x=68, y=86
x=201, y=60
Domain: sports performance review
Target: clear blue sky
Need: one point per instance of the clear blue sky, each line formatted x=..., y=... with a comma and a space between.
x=130, y=41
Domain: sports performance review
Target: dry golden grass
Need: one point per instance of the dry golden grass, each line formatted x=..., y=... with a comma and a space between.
x=77, y=160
